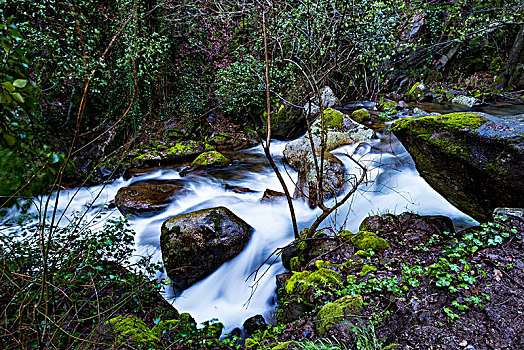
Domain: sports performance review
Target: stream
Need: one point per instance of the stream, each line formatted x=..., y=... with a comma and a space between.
x=230, y=295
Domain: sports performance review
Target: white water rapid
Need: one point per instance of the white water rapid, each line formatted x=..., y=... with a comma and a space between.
x=393, y=186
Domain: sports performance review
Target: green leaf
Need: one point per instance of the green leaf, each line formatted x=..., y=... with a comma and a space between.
x=20, y=83
x=8, y=86
x=18, y=97
x=5, y=98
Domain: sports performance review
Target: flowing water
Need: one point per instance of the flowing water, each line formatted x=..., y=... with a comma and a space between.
x=230, y=294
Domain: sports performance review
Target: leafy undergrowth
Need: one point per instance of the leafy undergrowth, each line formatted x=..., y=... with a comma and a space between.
x=75, y=288
x=430, y=288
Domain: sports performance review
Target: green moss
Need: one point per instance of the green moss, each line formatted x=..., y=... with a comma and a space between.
x=365, y=240
x=282, y=346
x=295, y=263
x=449, y=148
x=360, y=115
x=362, y=254
x=391, y=347
x=321, y=263
x=208, y=147
x=300, y=282
x=334, y=311
x=367, y=269
x=181, y=149
x=332, y=118
x=211, y=158
x=493, y=168
x=388, y=104
x=346, y=234
x=324, y=276
x=427, y=126
x=134, y=329
x=296, y=283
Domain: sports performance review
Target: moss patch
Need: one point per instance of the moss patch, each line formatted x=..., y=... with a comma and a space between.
x=301, y=281
x=134, y=329
x=365, y=240
x=332, y=118
x=427, y=126
x=360, y=115
x=211, y=158
x=367, y=269
x=333, y=312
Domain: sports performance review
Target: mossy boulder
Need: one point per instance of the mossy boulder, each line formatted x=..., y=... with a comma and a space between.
x=287, y=123
x=334, y=312
x=474, y=160
x=364, y=240
x=147, y=197
x=301, y=281
x=171, y=153
x=195, y=244
x=210, y=159
x=340, y=130
x=130, y=329
x=361, y=115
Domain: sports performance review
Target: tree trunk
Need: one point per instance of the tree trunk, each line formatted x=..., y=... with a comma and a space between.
x=509, y=76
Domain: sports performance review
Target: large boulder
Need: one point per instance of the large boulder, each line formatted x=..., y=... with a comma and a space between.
x=147, y=197
x=195, y=244
x=328, y=98
x=340, y=130
x=474, y=160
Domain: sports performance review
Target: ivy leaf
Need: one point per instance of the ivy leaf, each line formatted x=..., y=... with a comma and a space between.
x=18, y=97
x=20, y=83
x=8, y=86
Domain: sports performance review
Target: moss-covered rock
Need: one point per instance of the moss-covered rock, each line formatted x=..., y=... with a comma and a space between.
x=474, y=160
x=361, y=115
x=340, y=130
x=333, y=312
x=168, y=154
x=301, y=281
x=195, y=244
x=211, y=159
x=367, y=269
x=364, y=240
x=134, y=330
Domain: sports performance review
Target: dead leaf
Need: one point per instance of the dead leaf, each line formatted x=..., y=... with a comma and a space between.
x=497, y=275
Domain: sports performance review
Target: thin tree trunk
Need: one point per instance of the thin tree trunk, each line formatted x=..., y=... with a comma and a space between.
x=514, y=59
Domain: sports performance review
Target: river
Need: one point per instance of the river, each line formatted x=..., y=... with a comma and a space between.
x=393, y=185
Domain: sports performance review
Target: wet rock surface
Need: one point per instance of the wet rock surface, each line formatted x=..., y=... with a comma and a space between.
x=195, y=244
x=147, y=197
x=340, y=130
x=476, y=161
